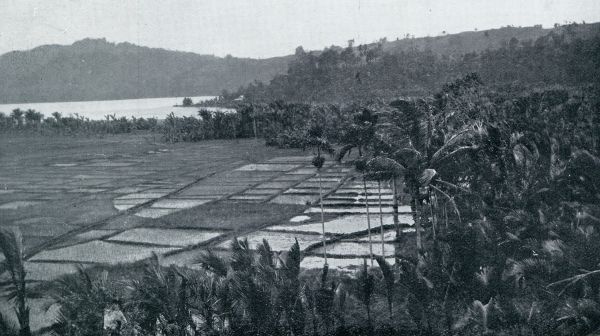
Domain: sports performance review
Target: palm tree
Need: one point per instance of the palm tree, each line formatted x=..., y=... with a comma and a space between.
x=57, y=116
x=360, y=135
x=17, y=117
x=33, y=117
x=82, y=298
x=324, y=300
x=316, y=139
x=421, y=148
x=253, y=285
x=163, y=295
x=382, y=169
x=11, y=245
x=361, y=167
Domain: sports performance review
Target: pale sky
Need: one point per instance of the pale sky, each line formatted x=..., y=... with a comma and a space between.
x=264, y=28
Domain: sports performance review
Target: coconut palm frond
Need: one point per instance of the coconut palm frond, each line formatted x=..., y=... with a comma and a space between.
x=414, y=121
x=450, y=199
x=426, y=176
x=265, y=254
x=342, y=152
x=7, y=327
x=292, y=263
x=381, y=164
x=11, y=245
x=213, y=263
x=573, y=280
x=458, y=143
x=242, y=257
x=452, y=185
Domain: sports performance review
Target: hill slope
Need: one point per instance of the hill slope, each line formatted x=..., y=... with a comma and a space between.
x=564, y=56
x=96, y=69
x=478, y=41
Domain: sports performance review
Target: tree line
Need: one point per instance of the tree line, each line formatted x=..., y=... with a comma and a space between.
x=31, y=121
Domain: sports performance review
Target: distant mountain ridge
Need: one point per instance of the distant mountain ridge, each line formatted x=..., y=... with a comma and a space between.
x=94, y=69
x=477, y=41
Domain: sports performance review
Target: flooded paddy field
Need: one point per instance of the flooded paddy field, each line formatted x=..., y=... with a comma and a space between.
x=114, y=200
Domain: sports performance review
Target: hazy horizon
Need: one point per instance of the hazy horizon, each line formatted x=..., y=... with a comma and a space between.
x=282, y=55
x=266, y=28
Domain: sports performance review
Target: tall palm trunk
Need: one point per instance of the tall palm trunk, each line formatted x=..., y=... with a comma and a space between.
x=395, y=207
x=368, y=220
x=322, y=218
x=381, y=218
x=433, y=218
x=417, y=221
x=22, y=308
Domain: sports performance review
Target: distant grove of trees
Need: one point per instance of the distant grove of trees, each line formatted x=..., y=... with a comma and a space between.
x=29, y=121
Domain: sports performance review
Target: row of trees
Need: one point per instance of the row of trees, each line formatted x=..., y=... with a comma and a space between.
x=32, y=121
x=279, y=123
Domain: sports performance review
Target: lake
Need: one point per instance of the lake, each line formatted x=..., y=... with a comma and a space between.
x=96, y=110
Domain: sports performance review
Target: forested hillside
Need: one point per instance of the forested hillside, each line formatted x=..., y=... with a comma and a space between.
x=563, y=56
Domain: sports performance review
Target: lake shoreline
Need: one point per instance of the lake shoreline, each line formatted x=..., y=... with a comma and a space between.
x=158, y=108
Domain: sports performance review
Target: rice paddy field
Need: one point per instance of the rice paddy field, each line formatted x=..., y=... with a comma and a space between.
x=118, y=199
x=82, y=202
